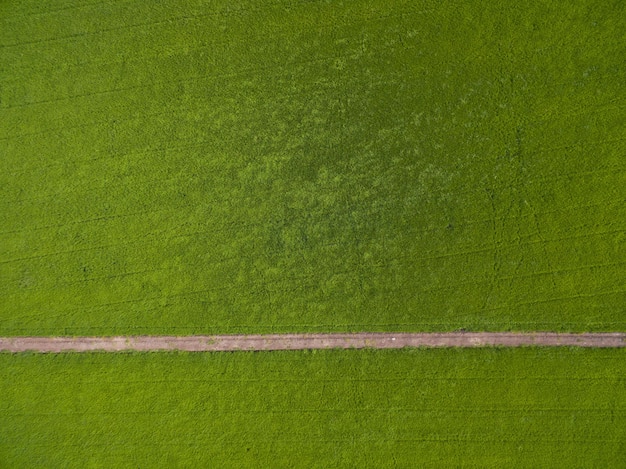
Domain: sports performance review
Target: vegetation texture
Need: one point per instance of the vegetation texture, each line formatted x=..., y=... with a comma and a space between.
x=216, y=167
x=404, y=408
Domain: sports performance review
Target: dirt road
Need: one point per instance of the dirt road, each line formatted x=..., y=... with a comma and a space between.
x=309, y=341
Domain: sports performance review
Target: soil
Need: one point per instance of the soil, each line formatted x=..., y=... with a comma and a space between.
x=202, y=343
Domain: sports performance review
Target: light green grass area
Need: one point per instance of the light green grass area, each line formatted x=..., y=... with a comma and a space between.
x=215, y=167
x=403, y=408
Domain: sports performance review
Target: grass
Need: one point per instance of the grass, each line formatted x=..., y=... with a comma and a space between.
x=220, y=167
x=404, y=408
x=210, y=167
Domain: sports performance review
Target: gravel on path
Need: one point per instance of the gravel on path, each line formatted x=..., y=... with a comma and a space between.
x=374, y=340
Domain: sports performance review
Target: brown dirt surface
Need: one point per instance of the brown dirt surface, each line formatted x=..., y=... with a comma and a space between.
x=204, y=343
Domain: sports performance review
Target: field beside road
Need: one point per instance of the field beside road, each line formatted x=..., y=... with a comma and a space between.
x=312, y=166
x=210, y=167
x=335, y=408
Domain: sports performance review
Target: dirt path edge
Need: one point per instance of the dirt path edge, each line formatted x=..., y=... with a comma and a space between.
x=216, y=343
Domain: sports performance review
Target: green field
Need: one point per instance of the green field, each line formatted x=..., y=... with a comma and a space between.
x=405, y=408
x=290, y=166
x=217, y=167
